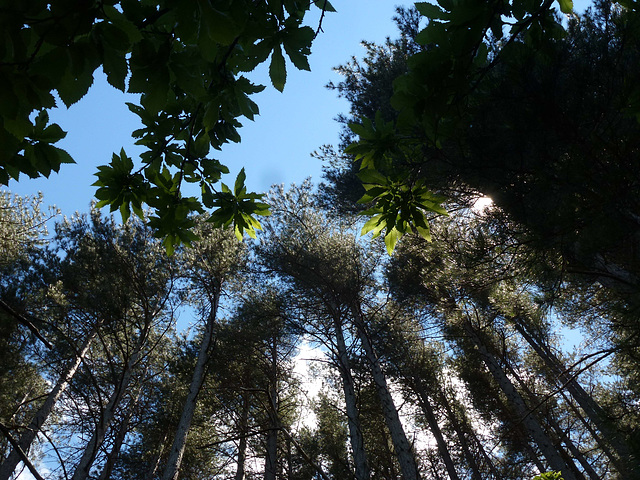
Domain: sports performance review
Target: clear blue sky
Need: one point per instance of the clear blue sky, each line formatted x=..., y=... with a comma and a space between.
x=275, y=148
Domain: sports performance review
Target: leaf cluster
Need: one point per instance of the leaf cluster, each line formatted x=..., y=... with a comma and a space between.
x=456, y=51
x=185, y=61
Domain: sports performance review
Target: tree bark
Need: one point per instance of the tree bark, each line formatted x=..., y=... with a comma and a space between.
x=561, y=436
x=593, y=411
x=533, y=428
x=462, y=439
x=176, y=453
x=432, y=421
x=403, y=450
x=27, y=438
x=271, y=454
x=242, y=446
x=362, y=471
x=105, y=474
x=109, y=412
x=151, y=473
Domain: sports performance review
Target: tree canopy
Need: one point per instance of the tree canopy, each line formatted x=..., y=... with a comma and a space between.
x=187, y=64
x=447, y=359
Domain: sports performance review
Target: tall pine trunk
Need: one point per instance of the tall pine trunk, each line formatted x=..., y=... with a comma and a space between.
x=462, y=429
x=30, y=433
x=271, y=453
x=110, y=462
x=533, y=428
x=109, y=411
x=610, y=438
x=172, y=468
x=429, y=414
x=243, y=430
x=403, y=450
x=362, y=471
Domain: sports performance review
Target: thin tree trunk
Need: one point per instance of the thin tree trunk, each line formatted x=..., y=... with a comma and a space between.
x=305, y=456
x=105, y=474
x=27, y=438
x=176, y=453
x=403, y=450
x=242, y=446
x=432, y=421
x=577, y=454
x=362, y=471
x=533, y=428
x=593, y=411
x=271, y=454
x=109, y=411
x=462, y=438
x=562, y=436
x=151, y=474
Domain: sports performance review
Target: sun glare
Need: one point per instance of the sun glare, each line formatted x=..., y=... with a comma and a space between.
x=481, y=204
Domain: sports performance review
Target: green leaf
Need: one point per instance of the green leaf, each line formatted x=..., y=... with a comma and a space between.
x=239, y=185
x=372, y=176
x=374, y=224
x=278, y=69
x=219, y=25
x=52, y=134
x=431, y=11
x=72, y=88
x=324, y=5
x=115, y=67
x=391, y=238
x=566, y=6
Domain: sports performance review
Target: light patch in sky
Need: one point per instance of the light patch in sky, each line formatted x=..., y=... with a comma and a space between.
x=25, y=474
x=311, y=384
x=481, y=204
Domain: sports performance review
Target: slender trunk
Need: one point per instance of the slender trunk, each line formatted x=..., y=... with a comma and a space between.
x=575, y=452
x=109, y=412
x=432, y=421
x=105, y=474
x=271, y=459
x=29, y=435
x=243, y=429
x=561, y=437
x=320, y=473
x=593, y=411
x=151, y=473
x=462, y=439
x=271, y=454
x=403, y=449
x=176, y=453
x=362, y=471
x=533, y=428
x=289, y=459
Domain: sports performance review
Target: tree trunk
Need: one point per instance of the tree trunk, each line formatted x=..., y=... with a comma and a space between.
x=593, y=411
x=561, y=436
x=243, y=430
x=462, y=439
x=429, y=414
x=362, y=471
x=151, y=473
x=577, y=454
x=105, y=474
x=271, y=454
x=403, y=450
x=176, y=453
x=533, y=428
x=29, y=435
x=109, y=411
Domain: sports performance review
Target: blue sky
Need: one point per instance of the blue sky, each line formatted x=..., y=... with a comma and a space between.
x=275, y=148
